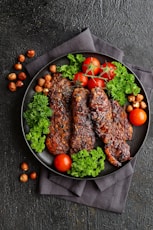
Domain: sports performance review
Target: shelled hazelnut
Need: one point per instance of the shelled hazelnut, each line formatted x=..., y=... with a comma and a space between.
x=12, y=76
x=24, y=166
x=21, y=58
x=18, y=66
x=33, y=175
x=31, y=53
x=52, y=68
x=22, y=76
x=23, y=178
x=12, y=86
x=19, y=84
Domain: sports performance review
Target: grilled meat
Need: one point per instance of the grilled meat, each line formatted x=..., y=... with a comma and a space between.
x=110, y=125
x=57, y=140
x=83, y=136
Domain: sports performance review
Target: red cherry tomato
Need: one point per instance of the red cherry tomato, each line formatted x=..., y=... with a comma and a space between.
x=80, y=78
x=137, y=117
x=62, y=162
x=107, y=70
x=96, y=82
x=91, y=66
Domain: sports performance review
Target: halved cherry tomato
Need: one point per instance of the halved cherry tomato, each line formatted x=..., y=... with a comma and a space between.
x=91, y=66
x=137, y=117
x=95, y=82
x=62, y=162
x=107, y=70
x=80, y=78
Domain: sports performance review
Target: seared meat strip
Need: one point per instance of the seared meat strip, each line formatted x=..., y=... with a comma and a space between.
x=83, y=136
x=110, y=127
x=57, y=140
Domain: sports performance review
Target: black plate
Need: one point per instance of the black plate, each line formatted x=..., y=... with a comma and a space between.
x=139, y=134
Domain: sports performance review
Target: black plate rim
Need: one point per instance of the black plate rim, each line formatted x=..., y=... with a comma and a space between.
x=33, y=79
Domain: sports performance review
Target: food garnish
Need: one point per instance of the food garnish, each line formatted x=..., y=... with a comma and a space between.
x=87, y=163
x=122, y=84
x=37, y=118
x=74, y=66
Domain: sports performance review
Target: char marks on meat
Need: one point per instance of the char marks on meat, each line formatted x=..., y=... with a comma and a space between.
x=57, y=140
x=83, y=136
x=111, y=125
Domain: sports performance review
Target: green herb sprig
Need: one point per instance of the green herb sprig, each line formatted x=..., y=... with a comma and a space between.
x=122, y=84
x=37, y=118
x=87, y=163
x=74, y=66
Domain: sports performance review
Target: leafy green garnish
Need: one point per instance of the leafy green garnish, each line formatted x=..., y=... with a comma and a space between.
x=37, y=118
x=87, y=163
x=73, y=67
x=122, y=84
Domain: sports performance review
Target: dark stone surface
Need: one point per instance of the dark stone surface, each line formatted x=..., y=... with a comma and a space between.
x=42, y=25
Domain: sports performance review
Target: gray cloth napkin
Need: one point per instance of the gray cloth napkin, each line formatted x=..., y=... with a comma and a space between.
x=109, y=193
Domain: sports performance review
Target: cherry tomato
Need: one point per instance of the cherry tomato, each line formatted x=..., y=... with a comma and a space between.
x=62, y=162
x=81, y=79
x=95, y=82
x=91, y=66
x=137, y=117
x=107, y=70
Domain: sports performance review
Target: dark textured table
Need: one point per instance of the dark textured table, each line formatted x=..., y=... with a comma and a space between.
x=42, y=25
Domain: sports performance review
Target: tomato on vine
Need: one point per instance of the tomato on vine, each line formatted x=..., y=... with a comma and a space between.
x=62, y=162
x=80, y=79
x=96, y=82
x=91, y=66
x=107, y=70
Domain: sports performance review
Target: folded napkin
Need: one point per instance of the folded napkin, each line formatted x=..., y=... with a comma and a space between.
x=109, y=193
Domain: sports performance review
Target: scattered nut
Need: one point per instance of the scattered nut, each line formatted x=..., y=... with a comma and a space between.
x=136, y=104
x=38, y=89
x=41, y=81
x=12, y=86
x=18, y=66
x=19, y=84
x=45, y=91
x=129, y=108
x=47, y=84
x=12, y=76
x=52, y=68
x=139, y=97
x=22, y=76
x=131, y=98
x=21, y=58
x=33, y=175
x=31, y=53
x=47, y=77
x=143, y=105
x=24, y=166
x=23, y=177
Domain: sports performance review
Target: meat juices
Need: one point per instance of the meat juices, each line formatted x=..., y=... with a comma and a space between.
x=111, y=125
x=83, y=135
x=57, y=140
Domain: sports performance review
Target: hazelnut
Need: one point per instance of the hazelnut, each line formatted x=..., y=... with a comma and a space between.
x=52, y=68
x=24, y=166
x=33, y=175
x=45, y=91
x=23, y=177
x=47, y=84
x=19, y=84
x=47, y=77
x=129, y=108
x=21, y=58
x=30, y=53
x=143, y=105
x=139, y=97
x=12, y=76
x=12, y=86
x=18, y=66
x=41, y=81
x=22, y=76
x=131, y=98
x=38, y=89
x=136, y=104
